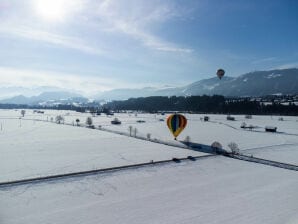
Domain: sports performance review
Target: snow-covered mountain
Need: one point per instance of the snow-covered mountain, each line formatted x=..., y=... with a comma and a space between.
x=258, y=83
x=122, y=94
x=11, y=91
x=47, y=98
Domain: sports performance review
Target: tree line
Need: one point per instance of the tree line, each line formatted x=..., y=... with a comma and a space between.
x=203, y=104
x=193, y=104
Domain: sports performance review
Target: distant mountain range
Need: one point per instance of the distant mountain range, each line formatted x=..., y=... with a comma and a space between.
x=48, y=98
x=11, y=91
x=258, y=83
x=121, y=94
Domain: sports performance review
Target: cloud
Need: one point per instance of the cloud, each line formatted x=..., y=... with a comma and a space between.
x=172, y=49
x=147, y=39
x=135, y=18
x=36, y=78
x=264, y=60
x=287, y=65
x=51, y=38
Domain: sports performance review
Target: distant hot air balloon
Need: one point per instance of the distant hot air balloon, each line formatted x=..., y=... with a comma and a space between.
x=220, y=73
x=176, y=124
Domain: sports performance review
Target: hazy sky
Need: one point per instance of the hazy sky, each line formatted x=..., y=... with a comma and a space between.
x=94, y=45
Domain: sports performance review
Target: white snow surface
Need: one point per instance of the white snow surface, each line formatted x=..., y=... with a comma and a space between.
x=211, y=190
x=281, y=153
x=40, y=148
x=272, y=75
x=33, y=148
x=210, y=87
x=218, y=129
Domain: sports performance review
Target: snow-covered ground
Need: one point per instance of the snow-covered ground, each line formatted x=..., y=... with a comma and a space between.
x=33, y=148
x=280, y=153
x=212, y=190
x=29, y=149
x=218, y=129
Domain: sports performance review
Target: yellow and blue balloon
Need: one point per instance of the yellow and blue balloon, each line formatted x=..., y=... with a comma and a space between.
x=176, y=124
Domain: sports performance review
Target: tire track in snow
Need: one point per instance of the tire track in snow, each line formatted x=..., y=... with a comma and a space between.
x=95, y=171
x=269, y=147
x=263, y=161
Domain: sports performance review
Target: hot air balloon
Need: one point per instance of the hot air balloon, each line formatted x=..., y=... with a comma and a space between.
x=176, y=124
x=220, y=73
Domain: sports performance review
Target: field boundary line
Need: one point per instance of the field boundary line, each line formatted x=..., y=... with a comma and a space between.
x=97, y=171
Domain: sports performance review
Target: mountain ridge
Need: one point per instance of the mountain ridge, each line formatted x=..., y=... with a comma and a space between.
x=257, y=83
x=47, y=98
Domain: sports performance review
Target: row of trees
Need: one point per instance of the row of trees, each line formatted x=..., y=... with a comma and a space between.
x=196, y=104
x=60, y=119
x=202, y=104
x=161, y=103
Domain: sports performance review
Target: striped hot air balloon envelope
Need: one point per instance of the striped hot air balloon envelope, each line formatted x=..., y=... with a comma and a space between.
x=176, y=123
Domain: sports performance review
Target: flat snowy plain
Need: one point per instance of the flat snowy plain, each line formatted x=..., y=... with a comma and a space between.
x=209, y=190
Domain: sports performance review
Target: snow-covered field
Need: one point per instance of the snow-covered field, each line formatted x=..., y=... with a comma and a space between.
x=31, y=148
x=281, y=153
x=218, y=129
x=213, y=190
x=210, y=190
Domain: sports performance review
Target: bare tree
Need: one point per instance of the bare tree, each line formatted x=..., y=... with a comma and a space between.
x=216, y=146
x=93, y=113
x=23, y=112
x=148, y=136
x=130, y=130
x=250, y=127
x=135, y=132
x=187, y=140
x=59, y=119
x=89, y=121
x=243, y=125
x=234, y=147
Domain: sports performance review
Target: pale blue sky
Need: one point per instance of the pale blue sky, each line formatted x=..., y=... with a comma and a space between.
x=93, y=45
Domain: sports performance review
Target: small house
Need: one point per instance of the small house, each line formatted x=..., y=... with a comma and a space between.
x=141, y=121
x=116, y=121
x=270, y=129
x=230, y=118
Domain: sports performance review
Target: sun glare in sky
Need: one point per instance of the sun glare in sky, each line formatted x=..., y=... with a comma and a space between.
x=51, y=10
x=142, y=43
